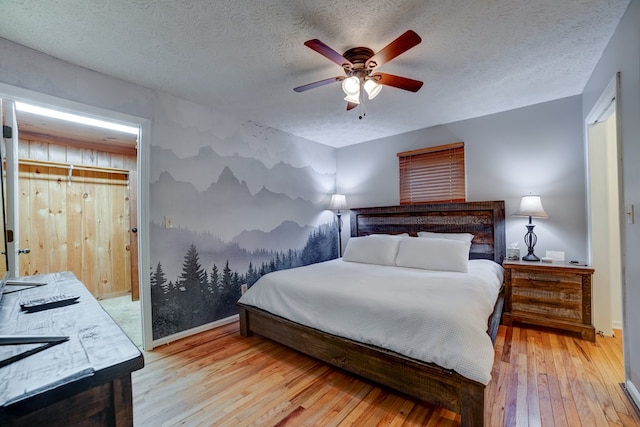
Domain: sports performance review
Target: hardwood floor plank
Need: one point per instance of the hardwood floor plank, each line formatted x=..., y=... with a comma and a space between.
x=400, y=418
x=581, y=401
x=498, y=397
x=345, y=404
x=510, y=415
x=629, y=420
x=522, y=407
x=591, y=380
x=532, y=397
x=496, y=388
x=362, y=407
x=443, y=418
x=218, y=378
x=421, y=413
x=555, y=394
x=378, y=410
x=338, y=390
x=568, y=401
x=539, y=382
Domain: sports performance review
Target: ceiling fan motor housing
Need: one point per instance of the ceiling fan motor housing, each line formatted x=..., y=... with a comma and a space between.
x=358, y=56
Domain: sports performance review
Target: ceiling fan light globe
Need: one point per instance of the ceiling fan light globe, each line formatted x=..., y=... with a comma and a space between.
x=372, y=88
x=351, y=86
x=355, y=99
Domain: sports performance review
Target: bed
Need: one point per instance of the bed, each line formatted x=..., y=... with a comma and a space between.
x=400, y=370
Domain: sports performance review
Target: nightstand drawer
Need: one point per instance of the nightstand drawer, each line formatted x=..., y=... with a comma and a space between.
x=551, y=280
x=552, y=295
x=557, y=305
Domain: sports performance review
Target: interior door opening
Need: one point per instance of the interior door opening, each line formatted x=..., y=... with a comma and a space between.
x=604, y=169
x=605, y=217
x=77, y=203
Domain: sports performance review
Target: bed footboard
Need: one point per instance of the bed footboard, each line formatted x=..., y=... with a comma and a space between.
x=423, y=381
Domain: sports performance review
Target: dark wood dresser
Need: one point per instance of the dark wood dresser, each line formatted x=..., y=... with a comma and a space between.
x=83, y=381
x=555, y=295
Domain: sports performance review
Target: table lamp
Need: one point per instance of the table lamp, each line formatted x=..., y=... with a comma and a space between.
x=531, y=206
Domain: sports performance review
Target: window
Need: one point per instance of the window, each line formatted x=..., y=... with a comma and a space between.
x=434, y=174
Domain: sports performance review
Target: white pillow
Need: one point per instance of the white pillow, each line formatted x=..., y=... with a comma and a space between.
x=433, y=254
x=373, y=249
x=463, y=237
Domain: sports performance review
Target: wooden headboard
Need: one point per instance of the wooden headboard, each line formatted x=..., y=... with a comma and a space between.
x=485, y=220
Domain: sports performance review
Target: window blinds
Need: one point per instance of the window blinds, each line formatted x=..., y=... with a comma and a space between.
x=434, y=174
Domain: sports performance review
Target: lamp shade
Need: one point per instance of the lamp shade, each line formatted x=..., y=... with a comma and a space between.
x=372, y=88
x=354, y=99
x=351, y=88
x=351, y=85
x=338, y=203
x=531, y=206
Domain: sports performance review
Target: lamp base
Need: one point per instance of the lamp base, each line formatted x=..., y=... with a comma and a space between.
x=530, y=239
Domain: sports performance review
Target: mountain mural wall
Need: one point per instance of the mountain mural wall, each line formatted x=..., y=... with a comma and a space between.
x=235, y=219
x=206, y=166
x=226, y=207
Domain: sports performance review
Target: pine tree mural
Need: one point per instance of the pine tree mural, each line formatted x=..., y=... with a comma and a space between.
x=197, y=297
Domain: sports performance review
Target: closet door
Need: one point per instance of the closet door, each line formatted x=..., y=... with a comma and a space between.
x=75, y=218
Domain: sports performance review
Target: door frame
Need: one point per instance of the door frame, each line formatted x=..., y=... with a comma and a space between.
x=8, y=109
x=24, y=95
x=610, y=101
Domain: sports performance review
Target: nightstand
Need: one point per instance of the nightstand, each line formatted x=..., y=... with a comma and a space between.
x=554, y=295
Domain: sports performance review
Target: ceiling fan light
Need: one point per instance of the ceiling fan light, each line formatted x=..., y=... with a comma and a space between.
x=372, y=88
x=351, y=86
x=355, y=99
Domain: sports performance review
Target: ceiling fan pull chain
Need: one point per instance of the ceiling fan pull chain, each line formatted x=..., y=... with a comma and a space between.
x=363, y=110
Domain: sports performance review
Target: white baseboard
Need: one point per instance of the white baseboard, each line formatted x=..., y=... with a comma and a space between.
x=193, y=331
x=616, y=324
x=633, y=392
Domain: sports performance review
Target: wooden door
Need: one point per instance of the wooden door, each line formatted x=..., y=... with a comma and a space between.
x=76, y=221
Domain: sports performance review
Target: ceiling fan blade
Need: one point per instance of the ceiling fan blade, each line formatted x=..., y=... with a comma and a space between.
x=397, y=81
x=329, y=53
x=351, y=105
x=397, y=47
x=318, y=84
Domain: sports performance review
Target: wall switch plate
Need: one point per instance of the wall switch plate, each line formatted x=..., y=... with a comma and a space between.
x=630, y=218
x=555, y=255
x=168, y=221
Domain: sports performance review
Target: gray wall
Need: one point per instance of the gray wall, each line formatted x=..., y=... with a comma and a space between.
x=537, y=149
x=623, y=54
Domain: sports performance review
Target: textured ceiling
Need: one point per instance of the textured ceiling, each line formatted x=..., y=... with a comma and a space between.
x=476, y=58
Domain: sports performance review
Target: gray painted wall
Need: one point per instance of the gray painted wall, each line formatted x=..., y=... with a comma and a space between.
x=623, y=54
x=537, y=149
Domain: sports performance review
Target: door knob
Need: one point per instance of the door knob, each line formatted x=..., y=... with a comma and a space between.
x=134, y=230
x=24, y=251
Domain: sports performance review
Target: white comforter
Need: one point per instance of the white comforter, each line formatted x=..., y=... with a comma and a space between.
x=433, y=316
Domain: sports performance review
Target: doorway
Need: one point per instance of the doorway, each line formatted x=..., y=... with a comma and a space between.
x=604, y=195
x=76, y=204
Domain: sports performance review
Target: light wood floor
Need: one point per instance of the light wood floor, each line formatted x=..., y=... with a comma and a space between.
x=218, y=378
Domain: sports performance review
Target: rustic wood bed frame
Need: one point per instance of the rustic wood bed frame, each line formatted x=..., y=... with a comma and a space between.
x=425, y=381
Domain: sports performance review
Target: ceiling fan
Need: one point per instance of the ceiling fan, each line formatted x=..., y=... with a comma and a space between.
x=360, y=63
